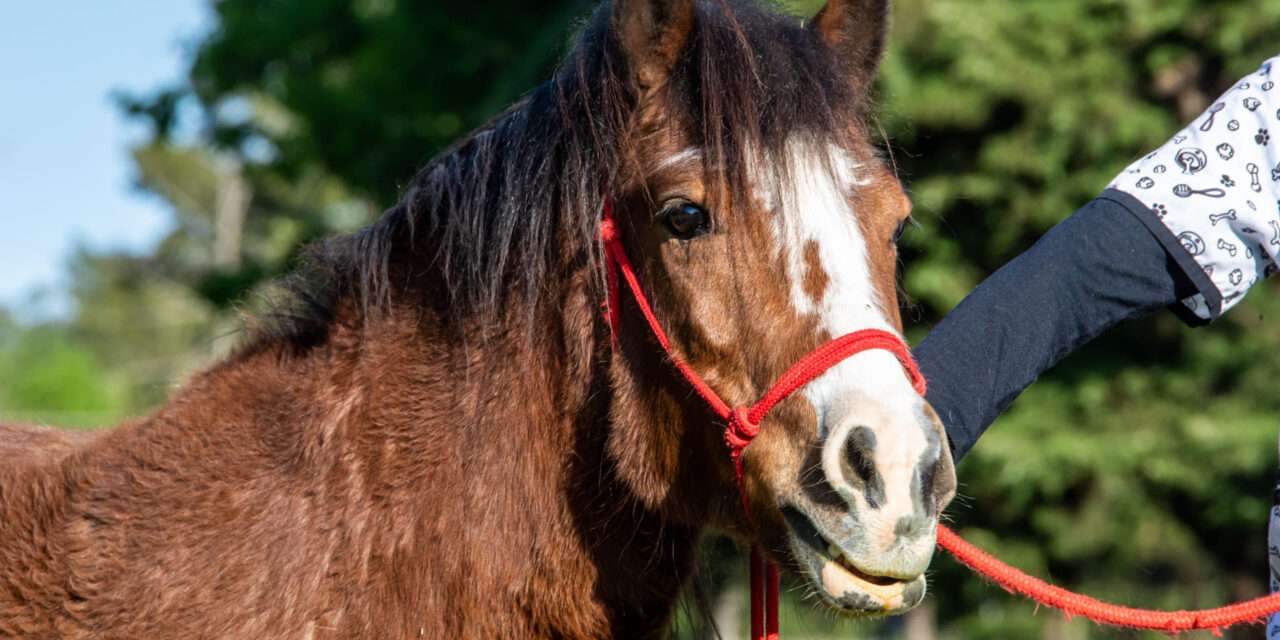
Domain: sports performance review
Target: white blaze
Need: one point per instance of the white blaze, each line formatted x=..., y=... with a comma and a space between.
x=814, y=206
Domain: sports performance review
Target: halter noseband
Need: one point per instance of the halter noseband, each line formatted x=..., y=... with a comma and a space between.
x=743, y=423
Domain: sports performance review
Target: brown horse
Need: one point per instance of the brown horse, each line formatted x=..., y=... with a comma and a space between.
x=439, y=438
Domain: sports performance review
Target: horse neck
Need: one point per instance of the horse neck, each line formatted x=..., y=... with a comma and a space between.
x=488, y=452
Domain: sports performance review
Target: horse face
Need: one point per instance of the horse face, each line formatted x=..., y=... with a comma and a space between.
x=847, y=478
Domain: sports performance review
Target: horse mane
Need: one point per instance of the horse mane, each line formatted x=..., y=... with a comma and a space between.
x=488, y=218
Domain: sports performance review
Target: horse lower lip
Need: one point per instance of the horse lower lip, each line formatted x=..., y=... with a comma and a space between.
x=840, y=582
x=844, y=583
x=881, y=581
x=803, y=528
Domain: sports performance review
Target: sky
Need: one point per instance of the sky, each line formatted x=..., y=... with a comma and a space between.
x=65, y=174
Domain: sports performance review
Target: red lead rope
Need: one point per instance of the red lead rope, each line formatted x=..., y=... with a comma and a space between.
x=743, y=424
x=1074, y=604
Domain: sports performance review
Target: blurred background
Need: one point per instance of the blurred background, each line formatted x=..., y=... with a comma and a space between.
x=160, y=164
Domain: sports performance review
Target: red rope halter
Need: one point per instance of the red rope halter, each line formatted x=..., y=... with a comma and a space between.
x=743, y=424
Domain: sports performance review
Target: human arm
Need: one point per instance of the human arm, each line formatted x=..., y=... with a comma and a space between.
x=1092, y=271
x=1192, y=226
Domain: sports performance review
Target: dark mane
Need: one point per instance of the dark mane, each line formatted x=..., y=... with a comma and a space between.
x=488, y=219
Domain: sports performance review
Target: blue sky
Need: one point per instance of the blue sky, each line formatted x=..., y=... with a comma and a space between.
x=65, y=173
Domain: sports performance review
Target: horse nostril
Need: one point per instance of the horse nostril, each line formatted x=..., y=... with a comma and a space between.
x=928, y=486
x=937, y=482
x=859, y=452
x=858, y=462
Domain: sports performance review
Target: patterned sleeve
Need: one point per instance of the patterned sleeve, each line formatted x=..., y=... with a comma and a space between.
x=1212, y=193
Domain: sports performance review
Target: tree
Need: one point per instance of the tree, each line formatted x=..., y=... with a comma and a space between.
x=375, y=87
x=1141, y=468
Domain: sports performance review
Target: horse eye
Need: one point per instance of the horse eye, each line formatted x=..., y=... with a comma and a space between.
x=686, y=220
x=902, y=228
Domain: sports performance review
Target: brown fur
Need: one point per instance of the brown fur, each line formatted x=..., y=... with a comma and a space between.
x=278, y=497
x=412, y=474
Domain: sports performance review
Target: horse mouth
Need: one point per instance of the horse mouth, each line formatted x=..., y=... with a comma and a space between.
x=844, y=587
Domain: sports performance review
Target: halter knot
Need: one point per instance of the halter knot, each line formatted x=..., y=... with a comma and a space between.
x=738, y=434
x=741, y=430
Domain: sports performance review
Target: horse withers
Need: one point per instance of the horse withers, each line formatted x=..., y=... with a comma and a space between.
x=438, y=435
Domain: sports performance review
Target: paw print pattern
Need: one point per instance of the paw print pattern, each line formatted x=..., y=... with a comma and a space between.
x=1213, y=185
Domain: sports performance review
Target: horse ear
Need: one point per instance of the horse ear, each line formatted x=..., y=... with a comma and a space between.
x=653, y=34
x=856, y=30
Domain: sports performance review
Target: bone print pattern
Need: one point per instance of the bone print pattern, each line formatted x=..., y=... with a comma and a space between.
x=1216, y=182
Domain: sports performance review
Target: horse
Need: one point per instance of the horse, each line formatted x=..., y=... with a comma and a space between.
x=435, y=432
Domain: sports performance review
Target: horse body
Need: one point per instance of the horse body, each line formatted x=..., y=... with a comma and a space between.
x=282, y=497
x=443, y=438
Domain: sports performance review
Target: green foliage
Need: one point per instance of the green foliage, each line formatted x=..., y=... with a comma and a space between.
x=377, y=86
x=1140, y=469
x=45, y=376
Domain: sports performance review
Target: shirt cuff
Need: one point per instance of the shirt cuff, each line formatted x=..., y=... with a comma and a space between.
x=1197, y=310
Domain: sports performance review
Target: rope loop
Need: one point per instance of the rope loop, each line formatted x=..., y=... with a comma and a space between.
x=741, y=430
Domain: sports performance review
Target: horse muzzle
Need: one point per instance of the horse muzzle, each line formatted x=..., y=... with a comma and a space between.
x=863, y=525
x=855, y=585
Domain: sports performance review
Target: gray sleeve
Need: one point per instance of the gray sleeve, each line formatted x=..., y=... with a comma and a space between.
x=1097, y=268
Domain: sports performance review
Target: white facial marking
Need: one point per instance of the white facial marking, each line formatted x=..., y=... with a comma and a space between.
x=814, y=207
x=690, y=154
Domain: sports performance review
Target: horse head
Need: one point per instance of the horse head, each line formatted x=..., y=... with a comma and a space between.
x=763, y=223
